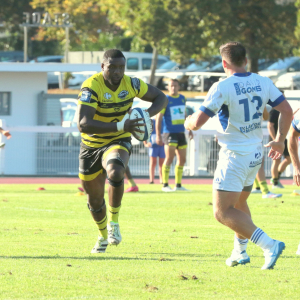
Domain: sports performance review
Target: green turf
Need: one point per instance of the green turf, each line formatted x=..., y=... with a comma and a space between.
x=172, y=247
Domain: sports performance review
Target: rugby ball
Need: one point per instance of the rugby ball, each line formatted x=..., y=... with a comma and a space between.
x=138, y=113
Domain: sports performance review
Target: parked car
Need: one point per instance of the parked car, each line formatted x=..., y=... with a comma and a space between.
x=166, y=67
x=53, y=77
x=12, y=56
x=194, y=66
x=194, y=82
x=282, y=66
x=289, y=81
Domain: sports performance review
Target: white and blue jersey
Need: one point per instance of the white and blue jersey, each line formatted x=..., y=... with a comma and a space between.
x=296, y=121
x=238, y=103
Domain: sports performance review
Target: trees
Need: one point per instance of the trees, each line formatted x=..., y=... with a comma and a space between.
x=265, y=27
x=146, y=20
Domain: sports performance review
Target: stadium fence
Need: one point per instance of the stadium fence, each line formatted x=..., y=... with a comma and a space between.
x=54, y=151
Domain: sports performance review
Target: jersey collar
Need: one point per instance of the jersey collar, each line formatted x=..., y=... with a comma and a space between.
x=242, y=74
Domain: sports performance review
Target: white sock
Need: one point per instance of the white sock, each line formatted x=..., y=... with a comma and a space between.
x=261, y=239
x=240, y=245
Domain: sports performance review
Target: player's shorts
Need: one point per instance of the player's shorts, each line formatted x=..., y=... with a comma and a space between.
x=177, y=140
x=90, y=160
x=157, y=151
x=235, y=172
x=286, y=150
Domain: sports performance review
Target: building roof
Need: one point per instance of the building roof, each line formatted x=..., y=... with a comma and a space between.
x=48, y=67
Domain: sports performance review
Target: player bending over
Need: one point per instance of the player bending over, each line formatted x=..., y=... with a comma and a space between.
x=293, y=139
x=103, y=120
x=239, y=101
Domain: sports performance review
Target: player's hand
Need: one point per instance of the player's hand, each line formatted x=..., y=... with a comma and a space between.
x=187, y=123
x=148, y=145
x=191, y=135
x=7, y=134
x=132, y=126
x=159, y=140
x=297, y=175
x=277, y=149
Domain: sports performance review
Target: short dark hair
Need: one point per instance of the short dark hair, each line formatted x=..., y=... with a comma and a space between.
x=112, y=53
x=235, y=52
x=175, y=80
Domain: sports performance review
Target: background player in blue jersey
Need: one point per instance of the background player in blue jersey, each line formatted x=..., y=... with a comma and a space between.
x=155, y=151
x=239, y=102
x=171, y=120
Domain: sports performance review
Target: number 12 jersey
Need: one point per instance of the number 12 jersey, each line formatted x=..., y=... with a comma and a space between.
x=238, y=103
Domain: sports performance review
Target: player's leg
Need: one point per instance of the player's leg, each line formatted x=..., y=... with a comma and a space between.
x=261, y=176
x=256, y=187
x=96, y=204
x=181, y=159
x=92, y=177
x=239, y=254
x=283, y=165
x=234, y=174
x=132, y=185
x=115, y=160
x=152, y=165
x=274, y=171
x=240, y=222
x=162, y=156
x=170, y=154
x=160, y=164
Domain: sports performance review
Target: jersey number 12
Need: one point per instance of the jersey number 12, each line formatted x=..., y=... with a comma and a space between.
x=245, y=102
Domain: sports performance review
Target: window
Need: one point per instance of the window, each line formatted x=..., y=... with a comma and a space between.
x=132, y=64
x=146, y=63
x=295, y=67
x=4, y=103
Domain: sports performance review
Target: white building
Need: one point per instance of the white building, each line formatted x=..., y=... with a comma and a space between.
x=22, y=108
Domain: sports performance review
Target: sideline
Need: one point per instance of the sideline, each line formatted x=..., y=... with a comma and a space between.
x=68, y=180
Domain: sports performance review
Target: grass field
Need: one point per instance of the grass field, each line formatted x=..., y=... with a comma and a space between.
x=172, y=247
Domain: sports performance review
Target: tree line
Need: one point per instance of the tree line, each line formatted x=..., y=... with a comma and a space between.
x=182, y=29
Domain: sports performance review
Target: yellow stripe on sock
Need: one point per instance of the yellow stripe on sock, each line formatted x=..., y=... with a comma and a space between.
x=264, y=187
x=102, y=226
x=165, y=173
x=113, y=214
x=178, y=174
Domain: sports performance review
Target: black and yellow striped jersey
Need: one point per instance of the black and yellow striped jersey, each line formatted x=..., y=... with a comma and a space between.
x=110, y=106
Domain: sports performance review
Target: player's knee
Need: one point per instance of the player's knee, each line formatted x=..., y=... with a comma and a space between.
x=219, y=215
x=115, y=173
x=182, y=161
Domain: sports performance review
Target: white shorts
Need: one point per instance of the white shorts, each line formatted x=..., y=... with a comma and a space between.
x=235, y=171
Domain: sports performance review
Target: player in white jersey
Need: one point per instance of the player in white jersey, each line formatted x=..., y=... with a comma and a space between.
x=239, y=101
x=293, y=150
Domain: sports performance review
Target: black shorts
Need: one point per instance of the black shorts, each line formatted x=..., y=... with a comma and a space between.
x=90, y=159
x=285, y=151
x=177, y=140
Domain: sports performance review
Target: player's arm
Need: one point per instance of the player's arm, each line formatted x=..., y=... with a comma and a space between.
x=196, y=120
x=271, y=130
x=5, y=133
x=158, y=99
x=87, y=124
x=293, y=150
x=284, y=123
x=265, y=114
x=158, y=128
x=212, y=104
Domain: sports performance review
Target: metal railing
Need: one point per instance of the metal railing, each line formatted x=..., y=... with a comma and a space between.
x=54, y=150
